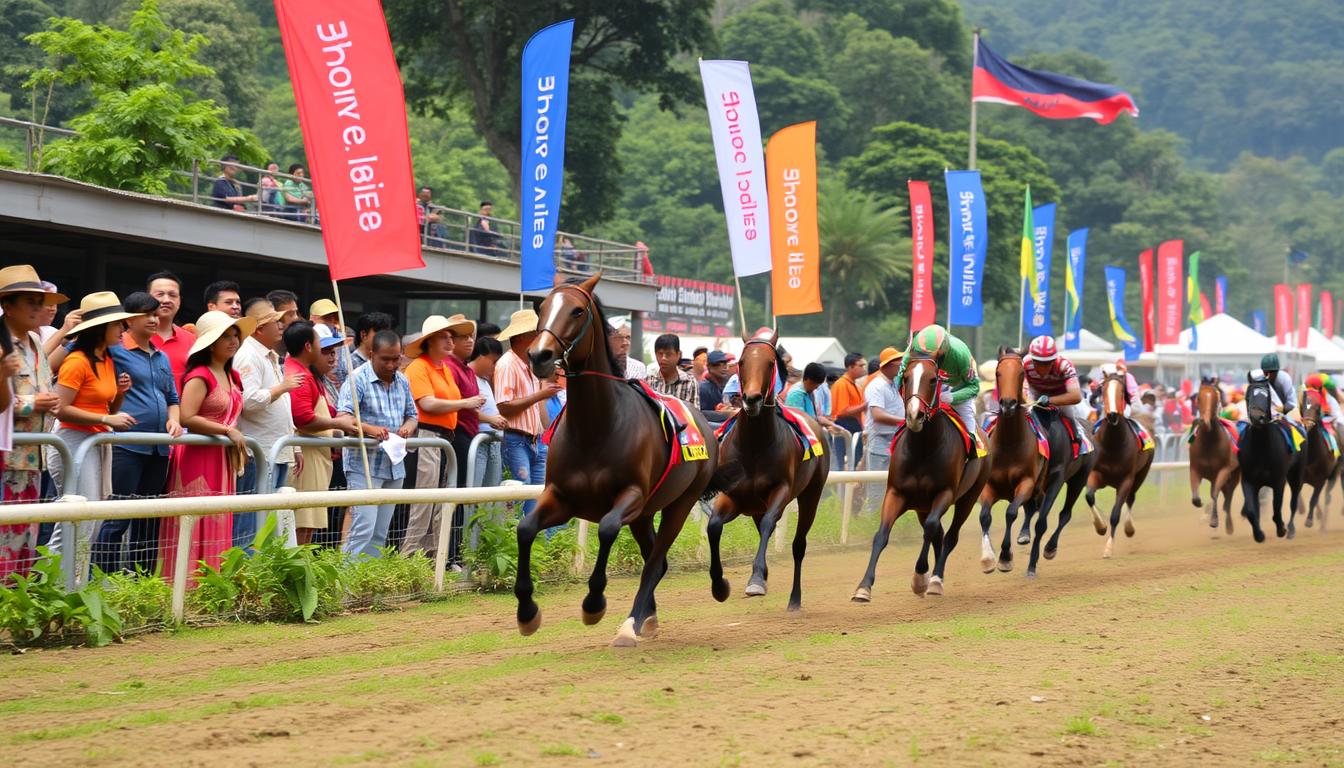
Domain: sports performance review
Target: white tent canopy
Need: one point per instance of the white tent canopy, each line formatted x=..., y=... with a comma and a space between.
x=826, y=350
x=1225, y=345
x=1092, y=350
x=1329, y=355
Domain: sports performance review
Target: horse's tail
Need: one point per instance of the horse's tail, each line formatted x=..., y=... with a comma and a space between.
x=725, y=476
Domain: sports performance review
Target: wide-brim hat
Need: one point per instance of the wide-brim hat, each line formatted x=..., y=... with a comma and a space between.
x=322, y=308
x=889, y=355
x=263, y=312
x=214, y=323
x=101, y=308
x=438, y=324
x=22, y=278
x=522, y=321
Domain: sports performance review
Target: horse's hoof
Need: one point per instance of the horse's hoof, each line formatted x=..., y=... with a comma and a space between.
x=935, y=587
x=1292, y=532
x=987, y=562
x=589, y=619
x=1005, y=565
x=1129, y=528
x=649, y=628
x=1307, y=522
x=1023, y=539
x=755, y=588
x=527, y=628
x=625, y=636
x=1031, y=574
x=1198, y=502
x=1050, y=553
x=721, y=590
x=1280, y=530
x=795, y=607
x=862, y=595
x=919, y=584
x=1259, y=537
x=1098, y=523
x=1109, y=550
x=1213, y=521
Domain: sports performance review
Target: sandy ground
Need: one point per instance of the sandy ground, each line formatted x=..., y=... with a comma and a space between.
x=1189, y=647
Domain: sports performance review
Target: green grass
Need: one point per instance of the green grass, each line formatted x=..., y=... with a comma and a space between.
x=1080, y=725
x=608, y=718
x=560, y=750
x=486, y=758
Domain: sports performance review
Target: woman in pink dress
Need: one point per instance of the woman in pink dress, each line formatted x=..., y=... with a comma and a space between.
x=212, y=399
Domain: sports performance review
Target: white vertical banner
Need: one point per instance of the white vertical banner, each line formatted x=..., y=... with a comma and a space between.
x=741, y=159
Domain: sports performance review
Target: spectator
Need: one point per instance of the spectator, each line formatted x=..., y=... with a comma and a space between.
x=10, y=535
x=1145, y=411
x=266, y=410
x=224, y=296
x=521, y=398
x=298, y=196
x=711, y=389
x=91, y=393
x=468, y=419
x=668, y=378
x=368, y=325
x=324, y=312
x=24, y=304
x=553, y=405
x=482, y=238
x=287, y=304
x=804, y=395
x=268, y=190
x=847, y=407
x=432, y=231
x=140, y=471
x=212, y=400
x=618, y=335
x=484, y=356
x=313, y=416
x=732, y=397
x=886, y=411
x=438, y=402
x=699, y=360
x=53, y=338
x=174, y=340
x=568, y=257
x=487, y=331
x=385, y=406
x=226, y=192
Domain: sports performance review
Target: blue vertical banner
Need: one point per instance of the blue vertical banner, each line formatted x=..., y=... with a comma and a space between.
x=968, y=237
x=545, y=103
x=1073, y=288
x=1115, y=300
x=1258, y=321
x=1036, y=313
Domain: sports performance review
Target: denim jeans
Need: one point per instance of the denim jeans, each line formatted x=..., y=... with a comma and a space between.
x=246, y=524
x=526, y=463
x=368, y=530
x=134, y=475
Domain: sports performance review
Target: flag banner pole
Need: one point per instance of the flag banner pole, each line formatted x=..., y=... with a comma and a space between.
x=1022, y=307
x=354, y=393
x=741, y=311
x=975, y=62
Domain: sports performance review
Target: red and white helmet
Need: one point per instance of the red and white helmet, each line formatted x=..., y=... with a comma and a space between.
x=1043, y=349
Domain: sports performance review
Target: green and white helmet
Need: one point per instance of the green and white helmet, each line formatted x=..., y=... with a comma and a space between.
x=931, y=340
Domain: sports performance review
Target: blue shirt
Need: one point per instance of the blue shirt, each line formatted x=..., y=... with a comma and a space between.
x=800, y=399
x=382, y=405
x=152, y=390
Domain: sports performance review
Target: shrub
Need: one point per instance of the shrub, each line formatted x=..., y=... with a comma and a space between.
x=36, y=608
x=143, y=599
x=276, y=582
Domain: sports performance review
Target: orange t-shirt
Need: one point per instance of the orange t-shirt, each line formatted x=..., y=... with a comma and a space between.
x=433, y=380
x=845, y=394
x=93, y=393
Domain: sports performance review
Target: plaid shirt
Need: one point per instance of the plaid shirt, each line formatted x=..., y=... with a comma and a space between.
x=685, y=388
x=382, y=405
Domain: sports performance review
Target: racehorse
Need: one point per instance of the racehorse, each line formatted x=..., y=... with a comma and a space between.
x=609, y=462
x=1066, y=472
x=1318, y=458
x=929, y=472
x=762, y=467
x=1122, y=463
x=1213, y=455
x=1017, y=470
x=1267, y=460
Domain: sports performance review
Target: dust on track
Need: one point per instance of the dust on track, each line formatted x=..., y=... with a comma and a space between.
x=1189, y=648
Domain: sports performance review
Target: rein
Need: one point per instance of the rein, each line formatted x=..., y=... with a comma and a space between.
x=570, y=369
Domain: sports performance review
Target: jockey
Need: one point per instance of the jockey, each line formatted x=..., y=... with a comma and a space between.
x=955, y=360
x=1052, y=380
x=1281, y=390
x=1321, y=384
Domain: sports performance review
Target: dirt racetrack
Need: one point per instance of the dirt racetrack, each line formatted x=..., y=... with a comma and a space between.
x=1188, y=648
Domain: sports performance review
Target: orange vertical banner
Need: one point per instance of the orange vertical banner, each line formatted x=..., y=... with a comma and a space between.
x=795, y=250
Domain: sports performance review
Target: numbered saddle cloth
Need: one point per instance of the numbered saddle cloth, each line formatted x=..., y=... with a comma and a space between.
x=970, y=442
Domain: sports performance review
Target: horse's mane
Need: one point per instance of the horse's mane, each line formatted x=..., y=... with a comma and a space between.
x=1008, y=349
x=600, y=322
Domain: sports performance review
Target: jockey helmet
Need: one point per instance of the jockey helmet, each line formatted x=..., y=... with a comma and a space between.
x=1043, y=349
x=932, y=340
x=1269, y=362
x=1315, y=381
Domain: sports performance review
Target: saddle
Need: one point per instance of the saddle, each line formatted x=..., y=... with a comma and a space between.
x=1140, y=434
x=680, y=430
x=809, y=441
x=1292, y=433
x=1042, y=442
x=970, y=442
x=1230, y=426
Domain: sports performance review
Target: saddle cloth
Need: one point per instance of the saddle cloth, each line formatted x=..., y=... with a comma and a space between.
x=1145, y=440
x=971, y=443
x=812, y=445
x=1227, y=424
x=1293, y=433
x=1042, y=444
x=680, y=429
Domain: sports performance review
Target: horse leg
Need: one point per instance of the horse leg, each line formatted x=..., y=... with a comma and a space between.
x=546, y=514
x=1073, y=489
x=1024, y=535
x=1279, y=527
x=893, y=506
x=960, y=511
x=724, y=512
x=1053, y=485
x=920, y=583
x=1215, y=489
x=655, y=565
x=1093, y=483
x=642, y=529
x=1229, y=487
x=1022, y=495
x=774, y=508
x=595, y=603
x=986, y=520
x=1194, y=490
x=1250, y=507
x=1311, y=504
x=807, y=512
x=1121, y=495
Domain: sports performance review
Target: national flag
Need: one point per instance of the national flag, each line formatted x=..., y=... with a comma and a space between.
x=1028, y=261
x=1192, y=298
x=1046, y=93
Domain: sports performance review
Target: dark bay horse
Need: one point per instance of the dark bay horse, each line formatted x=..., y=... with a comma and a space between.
x=762, y=468
x=1017, y=469
x=1267, y=460
x=608, y=462
x=929, y=472
x=1120, y=463
x=1067, y=473
x=1318, y=459
x=1212, y=455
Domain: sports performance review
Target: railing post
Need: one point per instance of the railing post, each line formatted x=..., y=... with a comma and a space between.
x=848, y=503
x=186, y=527
x=441, y=554
x=195, y=181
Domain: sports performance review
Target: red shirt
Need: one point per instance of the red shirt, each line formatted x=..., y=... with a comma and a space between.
x=303, y=401
x=176, y=347
x=468, y=419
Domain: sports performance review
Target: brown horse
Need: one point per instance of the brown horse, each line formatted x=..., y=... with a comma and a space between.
x=608, y=462
x=762, y=467
x=1319, y=461
x=1213, y=455
x=1016, y=467
x=929, y=472
x=1120, y=462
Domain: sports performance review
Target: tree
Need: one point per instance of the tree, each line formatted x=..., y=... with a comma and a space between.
x=232, y=52
x=935, y=25
x=469, y=52
x=861, y=249
x=143, y=124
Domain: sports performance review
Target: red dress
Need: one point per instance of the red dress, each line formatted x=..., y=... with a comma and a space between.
x=203, y=470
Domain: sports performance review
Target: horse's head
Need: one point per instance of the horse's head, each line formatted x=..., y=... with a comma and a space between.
x=569, y=331
x=1113, y=386
x=757, y=370
x=919, y=387
x=1009, y=380
x=1259, y=402
x=1311, y=408
x=1209, y=400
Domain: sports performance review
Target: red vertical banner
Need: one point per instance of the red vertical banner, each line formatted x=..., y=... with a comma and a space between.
x=1328, y=314
x=352, y=113
x=1303, y=314
x=1283, y=313
x=1170, y=291
x=1146, y=286
x=923, y=308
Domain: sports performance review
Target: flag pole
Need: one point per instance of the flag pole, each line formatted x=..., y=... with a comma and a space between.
x=975, y=61
x=354, y=392
x=741, y=312
x=1021, y=310
x=949, y=273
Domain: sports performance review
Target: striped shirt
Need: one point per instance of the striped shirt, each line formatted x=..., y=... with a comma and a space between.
x=382, y=405
x=685, y=388
x=514, y=381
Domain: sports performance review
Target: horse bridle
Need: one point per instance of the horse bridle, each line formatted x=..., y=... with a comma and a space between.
x=1009, y=356
x=769, y=400
x=937, y=382
x=567, y=348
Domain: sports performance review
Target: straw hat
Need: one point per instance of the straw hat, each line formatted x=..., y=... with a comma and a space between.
x=322, y=308
x=213, y=324
x=520, y=322
x=22, y=278
x=437, y=324
x=262, y=313
x=101, y=308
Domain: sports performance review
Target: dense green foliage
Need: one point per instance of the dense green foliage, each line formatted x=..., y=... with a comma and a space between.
x=36, y=609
